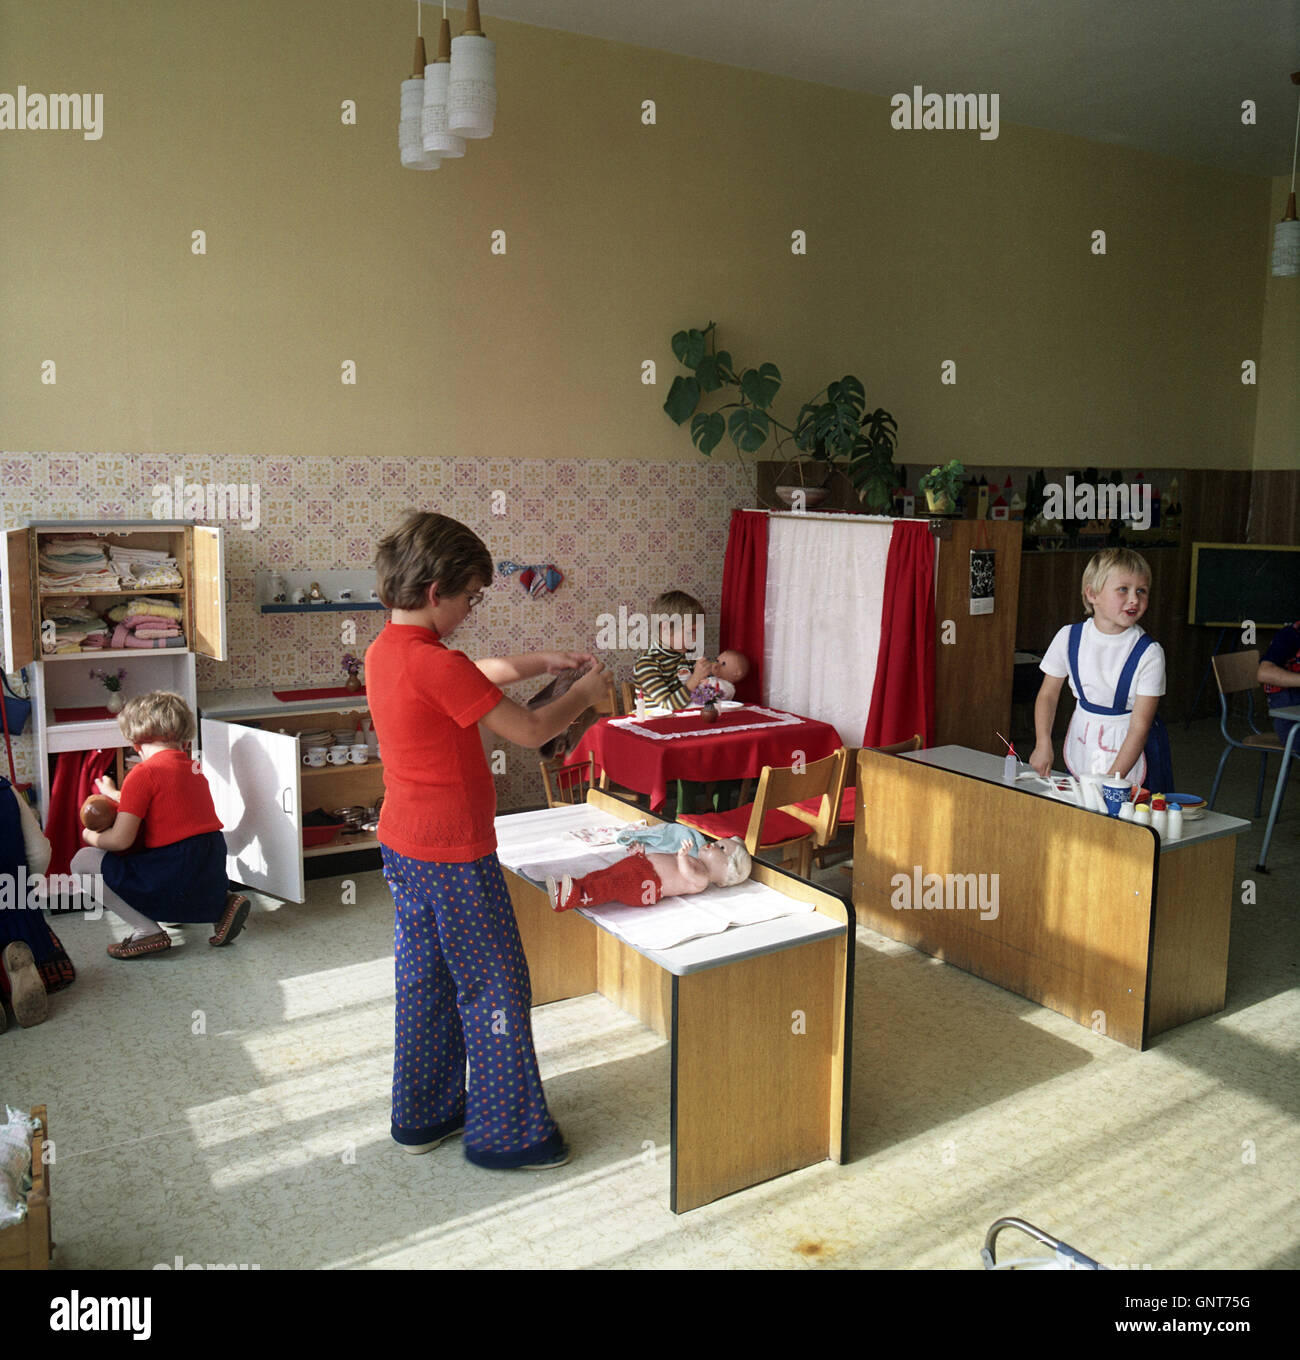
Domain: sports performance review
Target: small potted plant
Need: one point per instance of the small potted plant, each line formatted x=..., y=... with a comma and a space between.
x=352, y=665
x=941, y=486
x=113, y=684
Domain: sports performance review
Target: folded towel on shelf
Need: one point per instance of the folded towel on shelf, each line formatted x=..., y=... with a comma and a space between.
x=146, y=605
x=133, y=641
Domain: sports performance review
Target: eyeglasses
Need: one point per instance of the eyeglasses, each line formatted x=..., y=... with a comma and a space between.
x=476, y=600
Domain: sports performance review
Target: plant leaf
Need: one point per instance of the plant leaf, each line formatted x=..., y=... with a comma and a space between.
x=748, y=429
x=683, y=397
x=707, y=430
x=760, y=385
x=708, y=373
x=689, y=347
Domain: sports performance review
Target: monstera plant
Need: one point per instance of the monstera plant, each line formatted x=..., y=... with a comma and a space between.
x=833, y=430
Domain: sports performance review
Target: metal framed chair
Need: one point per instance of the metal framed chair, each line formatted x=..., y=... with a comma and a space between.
x=1236, y=673
x=778, y=816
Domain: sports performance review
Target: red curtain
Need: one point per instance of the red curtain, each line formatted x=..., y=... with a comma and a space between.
x=75, y=773
x=902, y=702
x=744, y=592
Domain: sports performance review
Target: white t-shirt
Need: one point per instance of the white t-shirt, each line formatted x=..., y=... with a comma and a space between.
x=1101, y=659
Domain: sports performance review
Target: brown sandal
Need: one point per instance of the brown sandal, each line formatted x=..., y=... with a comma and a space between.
x=136, y=949
x=27, y=991
x=232, y=919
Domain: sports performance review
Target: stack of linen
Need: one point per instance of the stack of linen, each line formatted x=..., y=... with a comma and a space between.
x=147, y=622
x=72, y=627
x=145, y=568
x=75, y=564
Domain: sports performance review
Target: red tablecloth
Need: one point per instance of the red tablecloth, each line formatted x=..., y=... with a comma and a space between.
x=649, y=766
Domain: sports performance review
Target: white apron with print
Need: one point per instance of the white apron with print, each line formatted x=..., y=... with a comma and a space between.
x=1094, y=740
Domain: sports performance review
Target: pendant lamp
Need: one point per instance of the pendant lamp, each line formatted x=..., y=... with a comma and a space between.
x=433, y=122
x=1286, y=234
x=410, y=139
x=471, y=86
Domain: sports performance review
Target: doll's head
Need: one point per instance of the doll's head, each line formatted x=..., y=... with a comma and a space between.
x=731, y=666
x=728, y=861
x=156, y=719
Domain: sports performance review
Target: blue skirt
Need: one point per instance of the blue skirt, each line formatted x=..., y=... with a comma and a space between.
x=183, y=882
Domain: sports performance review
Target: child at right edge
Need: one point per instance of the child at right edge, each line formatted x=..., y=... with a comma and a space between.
x=1116, y=674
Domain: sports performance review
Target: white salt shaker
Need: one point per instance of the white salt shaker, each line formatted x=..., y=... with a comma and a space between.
x=1174, y=822
x=1142, y=814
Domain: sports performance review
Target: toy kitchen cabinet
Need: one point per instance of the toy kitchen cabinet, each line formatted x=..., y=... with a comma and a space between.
x=68, y=704
x=261, y=788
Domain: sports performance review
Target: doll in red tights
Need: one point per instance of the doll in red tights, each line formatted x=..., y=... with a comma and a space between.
x=641, y=879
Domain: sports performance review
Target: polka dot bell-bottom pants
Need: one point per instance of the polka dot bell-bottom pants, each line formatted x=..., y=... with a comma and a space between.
x=464, y=997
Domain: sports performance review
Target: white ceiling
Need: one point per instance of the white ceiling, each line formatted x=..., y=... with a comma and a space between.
x=1166, y=76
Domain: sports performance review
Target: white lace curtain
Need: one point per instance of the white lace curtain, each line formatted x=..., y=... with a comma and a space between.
x=825, y=587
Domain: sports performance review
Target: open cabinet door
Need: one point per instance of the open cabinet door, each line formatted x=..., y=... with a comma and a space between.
x=254, y=777
x=208, y=593
x=20, y=626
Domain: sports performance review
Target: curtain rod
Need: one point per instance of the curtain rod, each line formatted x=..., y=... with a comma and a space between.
x=834, y=518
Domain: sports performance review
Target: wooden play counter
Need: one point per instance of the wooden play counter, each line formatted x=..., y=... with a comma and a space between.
x=1095, y=917
x=759, y=1018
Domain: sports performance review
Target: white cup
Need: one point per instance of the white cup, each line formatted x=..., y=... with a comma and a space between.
x=374, y=594
x=359, y=753
x=338, y=755
x=314, y=757
x=345, y=595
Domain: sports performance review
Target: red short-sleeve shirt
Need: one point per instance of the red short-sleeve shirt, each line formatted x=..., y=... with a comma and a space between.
x=170, y=797
x=426, y=701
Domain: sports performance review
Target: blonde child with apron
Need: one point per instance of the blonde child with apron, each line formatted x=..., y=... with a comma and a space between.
x=1097, y=732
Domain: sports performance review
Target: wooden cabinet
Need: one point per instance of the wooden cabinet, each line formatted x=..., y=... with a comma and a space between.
x=68, y=704
x=262, y=790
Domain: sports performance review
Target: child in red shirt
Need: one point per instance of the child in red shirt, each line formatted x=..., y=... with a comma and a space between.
x=463, y=991
x=180, y=874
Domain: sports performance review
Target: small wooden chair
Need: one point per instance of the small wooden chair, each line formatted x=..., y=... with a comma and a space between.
x=779, y=817
x=629, y=697
x=1237, y=673
x=567, y=785
x=844, y=823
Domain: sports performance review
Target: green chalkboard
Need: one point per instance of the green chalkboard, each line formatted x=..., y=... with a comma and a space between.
x=1233, y=582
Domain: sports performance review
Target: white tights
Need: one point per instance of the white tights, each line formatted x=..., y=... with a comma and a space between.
x=87, y=861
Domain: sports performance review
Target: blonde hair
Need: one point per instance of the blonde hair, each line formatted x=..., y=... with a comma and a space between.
x=1105, y=562
x=428, y=547
x=156, y=718
x=738, y=863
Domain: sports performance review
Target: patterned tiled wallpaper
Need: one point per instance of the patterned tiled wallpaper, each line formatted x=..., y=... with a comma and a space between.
x=619, y=531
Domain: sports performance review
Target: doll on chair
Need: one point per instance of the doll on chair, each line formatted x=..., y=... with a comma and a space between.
x=641, y=879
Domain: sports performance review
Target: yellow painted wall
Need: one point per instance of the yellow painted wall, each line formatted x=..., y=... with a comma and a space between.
x=1277, y=428
x=922, y=247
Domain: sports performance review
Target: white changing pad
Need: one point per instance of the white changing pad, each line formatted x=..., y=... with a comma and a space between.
x=535, y=844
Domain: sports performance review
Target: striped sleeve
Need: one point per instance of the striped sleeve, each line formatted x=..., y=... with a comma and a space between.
x=655, y=673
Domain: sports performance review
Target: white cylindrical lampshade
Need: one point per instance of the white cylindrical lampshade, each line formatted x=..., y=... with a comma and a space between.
x=410, y=139
x=472, y=87
x=433, y=117
x=1286, y=244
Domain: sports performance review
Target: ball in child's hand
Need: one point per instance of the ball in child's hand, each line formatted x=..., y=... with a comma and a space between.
x=98, y=812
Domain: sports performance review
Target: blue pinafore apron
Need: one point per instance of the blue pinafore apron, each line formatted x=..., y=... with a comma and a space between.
x=1154, y=767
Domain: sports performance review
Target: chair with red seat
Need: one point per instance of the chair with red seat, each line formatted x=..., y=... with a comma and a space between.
x=843, y=829
x=779, y=816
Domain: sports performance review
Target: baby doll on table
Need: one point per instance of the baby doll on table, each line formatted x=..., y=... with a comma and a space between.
x=727, y=672
x=644, y=878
